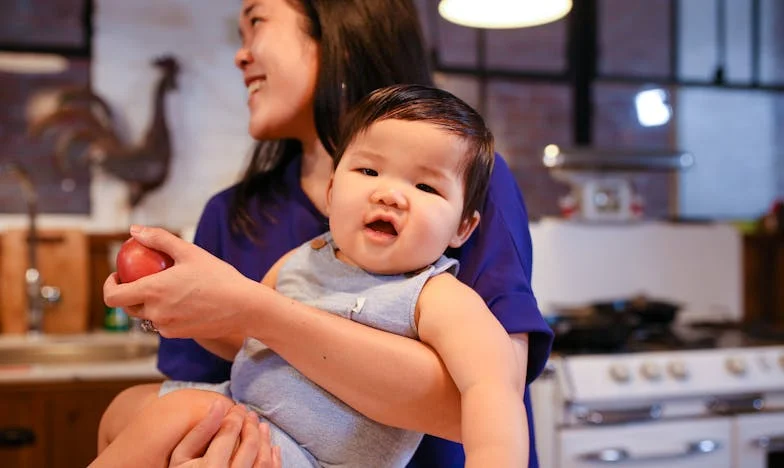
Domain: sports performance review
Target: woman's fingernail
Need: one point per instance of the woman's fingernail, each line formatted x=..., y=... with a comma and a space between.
x=136, y=229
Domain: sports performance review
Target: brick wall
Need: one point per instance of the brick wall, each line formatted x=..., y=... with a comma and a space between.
x=525, y=114
x=35, y=154
x=42, y=23
x=634, y=37
x=35, y=25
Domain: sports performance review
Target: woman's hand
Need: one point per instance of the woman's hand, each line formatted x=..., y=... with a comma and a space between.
x=221, y=440
x=194, y=298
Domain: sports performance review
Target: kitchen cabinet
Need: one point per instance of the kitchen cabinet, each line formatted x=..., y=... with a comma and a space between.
x=54, y=424
x=100, y=258
x=763, y=263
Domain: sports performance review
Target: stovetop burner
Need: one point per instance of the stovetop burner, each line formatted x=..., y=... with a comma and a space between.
x=693, y=336
x=666, y=338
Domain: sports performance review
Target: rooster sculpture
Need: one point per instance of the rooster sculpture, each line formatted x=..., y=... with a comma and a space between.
x=84, y=130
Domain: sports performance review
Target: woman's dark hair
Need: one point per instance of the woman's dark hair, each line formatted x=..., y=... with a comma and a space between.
x=437, y=107
x=365, y=45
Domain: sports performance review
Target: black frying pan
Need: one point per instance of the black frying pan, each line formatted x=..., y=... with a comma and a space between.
x=586, y=329
x=648, y=311
x=607, y=325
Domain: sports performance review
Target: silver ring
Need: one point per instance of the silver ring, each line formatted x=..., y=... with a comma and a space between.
x=148, y=326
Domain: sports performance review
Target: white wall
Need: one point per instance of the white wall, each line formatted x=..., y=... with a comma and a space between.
x=698, y=266
x=207, y=114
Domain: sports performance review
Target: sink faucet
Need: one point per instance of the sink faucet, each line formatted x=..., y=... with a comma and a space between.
x=38, y=294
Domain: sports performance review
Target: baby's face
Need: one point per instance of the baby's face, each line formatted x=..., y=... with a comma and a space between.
x=396, y=197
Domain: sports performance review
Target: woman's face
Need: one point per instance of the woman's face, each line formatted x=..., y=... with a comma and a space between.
x=279, y=63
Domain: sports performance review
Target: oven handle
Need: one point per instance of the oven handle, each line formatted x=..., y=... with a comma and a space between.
x=771, y=443
x=621, y=455
x=596, y=417
x=738, y=405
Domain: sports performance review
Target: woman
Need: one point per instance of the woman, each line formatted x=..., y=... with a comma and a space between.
x=304, y=63
x=228, y=437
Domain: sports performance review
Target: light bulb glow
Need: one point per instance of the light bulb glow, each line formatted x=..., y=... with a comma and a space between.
x=503, y=14
x=652, y=107
x=551, y=153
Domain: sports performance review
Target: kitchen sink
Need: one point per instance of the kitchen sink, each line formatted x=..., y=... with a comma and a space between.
x=76, y=349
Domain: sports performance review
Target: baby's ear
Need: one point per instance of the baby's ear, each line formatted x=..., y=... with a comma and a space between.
x=465, y=230
x=329, y=192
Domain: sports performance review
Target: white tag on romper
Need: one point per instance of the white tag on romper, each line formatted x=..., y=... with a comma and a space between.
x=358, y=307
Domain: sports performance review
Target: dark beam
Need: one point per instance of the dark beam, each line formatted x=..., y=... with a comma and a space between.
x=674, y=39
x=756, y=33
x=74, y=52
x=770, y=87
x=583, y=55
x=503, y=74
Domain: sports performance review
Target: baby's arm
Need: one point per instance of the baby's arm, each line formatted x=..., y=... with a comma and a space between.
x=227, y=347
x=481, y=359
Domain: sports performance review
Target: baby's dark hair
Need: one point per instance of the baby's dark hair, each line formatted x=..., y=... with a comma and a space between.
x=437, y=107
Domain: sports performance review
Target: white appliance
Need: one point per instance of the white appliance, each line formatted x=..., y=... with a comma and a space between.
x=603, y=181
x=721, y=407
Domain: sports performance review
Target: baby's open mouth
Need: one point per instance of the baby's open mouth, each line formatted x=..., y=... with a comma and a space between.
x=382, y=226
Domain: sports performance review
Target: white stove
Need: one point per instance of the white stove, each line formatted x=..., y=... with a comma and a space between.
x=696, y=408
x=688, y=403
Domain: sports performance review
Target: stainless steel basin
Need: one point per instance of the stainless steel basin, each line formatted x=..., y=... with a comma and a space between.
x=81, y=349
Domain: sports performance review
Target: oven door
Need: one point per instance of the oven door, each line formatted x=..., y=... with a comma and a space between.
x=703, y=443
x=760, y=440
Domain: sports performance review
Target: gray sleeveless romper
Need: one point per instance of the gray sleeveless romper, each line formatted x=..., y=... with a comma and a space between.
x=313, y=427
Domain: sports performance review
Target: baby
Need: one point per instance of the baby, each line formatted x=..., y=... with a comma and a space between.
x=411, y=171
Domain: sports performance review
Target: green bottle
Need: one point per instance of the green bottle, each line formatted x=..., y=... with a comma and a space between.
x=115, y=320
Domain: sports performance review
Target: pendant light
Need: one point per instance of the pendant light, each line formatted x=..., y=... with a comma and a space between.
x=503, y=14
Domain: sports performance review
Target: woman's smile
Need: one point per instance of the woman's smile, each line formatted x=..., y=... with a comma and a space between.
x=254, y=86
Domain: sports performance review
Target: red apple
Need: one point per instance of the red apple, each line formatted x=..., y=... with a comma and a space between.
x=135, y=261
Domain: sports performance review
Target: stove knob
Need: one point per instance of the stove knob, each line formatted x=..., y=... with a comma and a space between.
x=651, y=371
x=620, y=373
x=736, y=365
x=678, y=370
